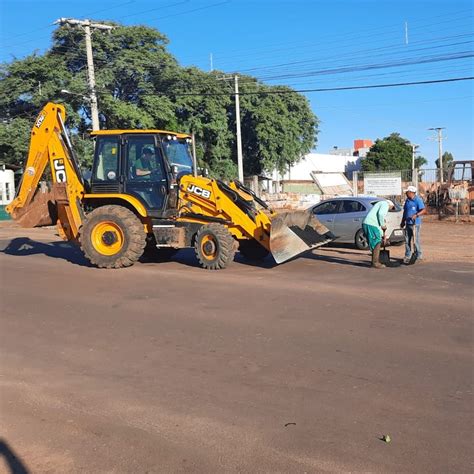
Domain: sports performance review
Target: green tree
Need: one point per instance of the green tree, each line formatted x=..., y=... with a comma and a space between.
x=448, y=158
x=277, y=129
x=420, y=161
x=391, y=153
x=14, y=137
x=141, y=85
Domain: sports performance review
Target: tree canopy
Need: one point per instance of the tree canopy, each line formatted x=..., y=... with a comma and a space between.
x=391, y=153
x=448, y=158
x=141, y=85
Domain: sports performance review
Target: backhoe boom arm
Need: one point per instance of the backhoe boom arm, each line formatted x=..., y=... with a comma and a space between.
x=50, y=144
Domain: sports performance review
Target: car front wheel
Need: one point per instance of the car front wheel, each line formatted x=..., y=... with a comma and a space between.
x=361, y=240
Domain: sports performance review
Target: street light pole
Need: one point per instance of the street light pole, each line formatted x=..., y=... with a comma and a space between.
x=414, y=178
x=413, y=153
x=439, y=138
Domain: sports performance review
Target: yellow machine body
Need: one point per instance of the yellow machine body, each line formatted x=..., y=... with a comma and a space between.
x=115, y=225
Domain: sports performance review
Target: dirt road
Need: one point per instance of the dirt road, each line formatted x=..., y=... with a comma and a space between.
x=164, y=367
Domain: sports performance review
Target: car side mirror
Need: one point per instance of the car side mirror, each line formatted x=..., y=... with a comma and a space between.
x=174, y=170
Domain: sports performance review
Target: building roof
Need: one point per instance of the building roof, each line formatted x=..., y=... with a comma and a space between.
x=133, y=132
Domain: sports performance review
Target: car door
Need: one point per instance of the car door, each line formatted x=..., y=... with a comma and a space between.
x=326, y=213
x=349, y=219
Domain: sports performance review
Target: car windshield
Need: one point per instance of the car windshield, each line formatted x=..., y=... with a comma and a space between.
x=177, y=152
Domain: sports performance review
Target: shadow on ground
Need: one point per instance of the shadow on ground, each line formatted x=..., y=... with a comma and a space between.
x=348, y=256
x=188, y=257
x=12, y=461
x=23, y=246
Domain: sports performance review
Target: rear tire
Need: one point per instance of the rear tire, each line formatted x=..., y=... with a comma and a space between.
x=214, y=246
x=361, y=240
x=252, y=250
x=112, y=237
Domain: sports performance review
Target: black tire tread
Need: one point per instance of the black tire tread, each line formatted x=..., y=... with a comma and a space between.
x=226, y=243
x=356, y=241
x=135, y=238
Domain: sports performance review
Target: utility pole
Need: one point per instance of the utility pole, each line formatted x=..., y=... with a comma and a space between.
x=87, y=25
x=211, y=62
x=414, y=178
x=440, y=138
x=413, y=153
x=240, y=165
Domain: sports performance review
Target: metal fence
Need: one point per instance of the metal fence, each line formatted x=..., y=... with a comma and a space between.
x=444, y=195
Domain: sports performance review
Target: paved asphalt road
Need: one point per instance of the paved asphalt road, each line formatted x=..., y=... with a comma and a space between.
x=164, y=367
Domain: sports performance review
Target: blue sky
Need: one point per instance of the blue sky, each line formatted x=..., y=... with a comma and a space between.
x=307, y=44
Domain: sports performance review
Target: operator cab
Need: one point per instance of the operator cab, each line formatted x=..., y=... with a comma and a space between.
x=145, y=164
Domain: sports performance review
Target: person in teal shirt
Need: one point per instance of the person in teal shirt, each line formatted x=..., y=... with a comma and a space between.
x=374, y=226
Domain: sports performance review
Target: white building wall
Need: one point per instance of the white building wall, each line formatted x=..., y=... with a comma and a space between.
x=7, y=186
x=320, y=162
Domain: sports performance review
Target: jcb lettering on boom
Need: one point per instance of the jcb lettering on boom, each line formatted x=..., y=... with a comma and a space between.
x=59, y=170
x=40, y=120
x=192, y=188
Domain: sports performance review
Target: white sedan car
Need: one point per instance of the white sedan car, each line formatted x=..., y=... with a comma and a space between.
x=343, y=216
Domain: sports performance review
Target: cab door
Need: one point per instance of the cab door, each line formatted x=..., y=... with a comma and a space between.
x=152, y=189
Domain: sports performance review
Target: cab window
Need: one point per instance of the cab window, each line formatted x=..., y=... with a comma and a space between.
x=144, y=159
x=106, y=159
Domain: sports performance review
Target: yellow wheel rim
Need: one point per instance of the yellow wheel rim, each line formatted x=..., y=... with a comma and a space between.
x=209, y=247
x=107, y=238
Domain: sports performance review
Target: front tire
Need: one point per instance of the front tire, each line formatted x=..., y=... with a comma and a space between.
x=361, y=240
x=112, y=237
x=214, y=246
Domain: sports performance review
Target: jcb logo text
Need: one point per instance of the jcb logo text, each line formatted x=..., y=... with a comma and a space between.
x=59, y=171
x=192, y=188
x=40, y=120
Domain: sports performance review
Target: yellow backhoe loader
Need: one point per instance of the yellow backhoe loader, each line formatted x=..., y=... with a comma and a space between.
x=144, y=195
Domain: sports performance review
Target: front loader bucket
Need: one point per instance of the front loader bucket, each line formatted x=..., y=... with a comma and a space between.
x=41, y=211
x=296, y=232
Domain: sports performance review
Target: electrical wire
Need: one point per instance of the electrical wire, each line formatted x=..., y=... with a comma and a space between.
x=326, y=89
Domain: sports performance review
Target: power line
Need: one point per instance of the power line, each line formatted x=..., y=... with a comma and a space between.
x=326, y=89
x=305, y=73
x=27, y=33
x=330, y=38
x=139, y=13
x=363, y=53
x=367, y=67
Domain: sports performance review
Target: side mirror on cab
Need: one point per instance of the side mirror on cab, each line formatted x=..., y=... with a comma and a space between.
x=174, y=170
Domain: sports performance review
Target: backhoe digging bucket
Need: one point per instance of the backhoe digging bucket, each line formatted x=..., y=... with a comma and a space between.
x=296, y=232
x=41, y=211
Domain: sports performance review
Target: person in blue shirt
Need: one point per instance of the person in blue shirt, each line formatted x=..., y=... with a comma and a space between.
x=374, y=226
x=412, y=210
